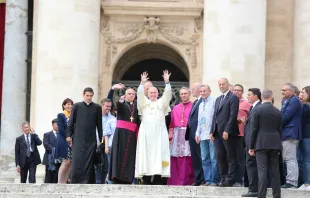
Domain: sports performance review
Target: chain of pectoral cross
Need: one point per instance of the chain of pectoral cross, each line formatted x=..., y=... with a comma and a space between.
x=183, y=109
x=131, y=111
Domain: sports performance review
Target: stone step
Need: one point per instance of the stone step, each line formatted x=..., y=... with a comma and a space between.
x=70, y=195
x=124, y=191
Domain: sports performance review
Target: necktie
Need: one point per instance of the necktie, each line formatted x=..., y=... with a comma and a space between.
x=28, y=152
x=251, y=108
x=222, y=99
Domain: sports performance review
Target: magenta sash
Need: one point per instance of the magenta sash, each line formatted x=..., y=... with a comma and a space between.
x=127, y=125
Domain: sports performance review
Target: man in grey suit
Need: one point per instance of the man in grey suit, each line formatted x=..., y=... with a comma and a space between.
x=265, y=144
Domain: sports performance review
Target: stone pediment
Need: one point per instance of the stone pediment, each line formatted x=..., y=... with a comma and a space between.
x=156, y=7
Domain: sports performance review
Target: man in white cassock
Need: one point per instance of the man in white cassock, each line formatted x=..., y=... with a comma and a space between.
x=153, y=153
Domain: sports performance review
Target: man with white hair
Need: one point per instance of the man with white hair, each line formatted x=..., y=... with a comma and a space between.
x=123, y=152
x=148, y=84
x=153, y=154
x=291, y=133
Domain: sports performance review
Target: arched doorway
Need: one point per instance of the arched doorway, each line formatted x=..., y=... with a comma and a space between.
x=153, y=58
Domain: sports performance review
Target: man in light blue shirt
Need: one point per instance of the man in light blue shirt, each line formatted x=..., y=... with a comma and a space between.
x=101, y=171
x=108, y=132
x=205, y=117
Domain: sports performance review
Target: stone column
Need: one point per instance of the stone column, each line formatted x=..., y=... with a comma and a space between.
x=234, y=42
x=14, y=85
x=279, y=46
x=301, y=69
x=66, y=57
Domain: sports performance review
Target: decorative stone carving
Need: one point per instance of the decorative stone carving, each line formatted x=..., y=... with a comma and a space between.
x=200, y=1
x=114, y=50
x=104, y=23
x=191, y=51
x=173, y=38
x=100, y=84
x=151, y=25
x=198, y=24
x=131, y=32
x=130, y=28
x=177, y=30
x=109, y=52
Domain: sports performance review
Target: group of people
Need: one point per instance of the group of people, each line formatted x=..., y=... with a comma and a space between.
x=214, y=141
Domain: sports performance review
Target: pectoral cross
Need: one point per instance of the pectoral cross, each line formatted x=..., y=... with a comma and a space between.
x=131, y=118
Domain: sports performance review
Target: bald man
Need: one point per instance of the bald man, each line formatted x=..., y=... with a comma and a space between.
x=196, y=89
x=224, y=133
x=190, y=135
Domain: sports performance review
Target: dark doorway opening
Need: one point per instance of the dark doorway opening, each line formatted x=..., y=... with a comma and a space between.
x=154, y=67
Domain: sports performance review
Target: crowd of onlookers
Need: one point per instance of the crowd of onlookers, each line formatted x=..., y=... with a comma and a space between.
x=218, y=139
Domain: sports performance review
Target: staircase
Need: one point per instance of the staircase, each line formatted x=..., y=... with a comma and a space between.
x=127, y=191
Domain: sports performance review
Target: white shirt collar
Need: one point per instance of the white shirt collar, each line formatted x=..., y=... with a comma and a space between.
x=129, y=102
x=54, y=132
x=225, y=93
x=255, y=103
x=29, y=137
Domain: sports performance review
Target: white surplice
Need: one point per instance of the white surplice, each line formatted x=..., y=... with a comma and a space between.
x=153, y=153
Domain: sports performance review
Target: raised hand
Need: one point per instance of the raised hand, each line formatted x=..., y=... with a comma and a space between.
x=166, y=76
x=118, y=86
x=144, y=78
x=122, y=98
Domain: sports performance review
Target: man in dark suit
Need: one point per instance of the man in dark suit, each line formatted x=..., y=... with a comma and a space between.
x=291, y=133
x=26, y=154
x=254, y=97
x=265, y=143
x=191, y=134
x=224, y=132
x=49, y=142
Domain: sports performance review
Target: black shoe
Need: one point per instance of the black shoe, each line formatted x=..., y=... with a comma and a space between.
x=250, y=194
x=196, y=184
x=225, y=184
x=288, y=185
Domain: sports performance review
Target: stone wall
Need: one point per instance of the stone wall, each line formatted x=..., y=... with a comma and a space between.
x=279, y=46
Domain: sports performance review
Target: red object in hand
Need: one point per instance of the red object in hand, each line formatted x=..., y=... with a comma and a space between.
x=170, y=138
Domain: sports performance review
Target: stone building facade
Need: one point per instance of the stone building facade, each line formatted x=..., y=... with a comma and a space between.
x=79, y=43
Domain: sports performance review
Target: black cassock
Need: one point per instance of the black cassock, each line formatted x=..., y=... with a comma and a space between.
x=123, y=153
x=82, y=126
